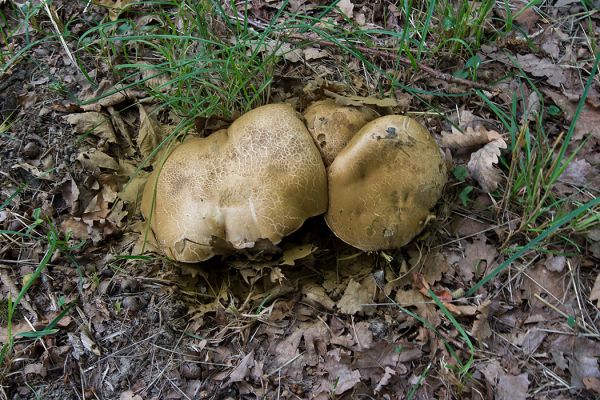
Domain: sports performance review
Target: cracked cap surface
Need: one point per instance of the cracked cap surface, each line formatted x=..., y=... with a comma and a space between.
x=259, y=179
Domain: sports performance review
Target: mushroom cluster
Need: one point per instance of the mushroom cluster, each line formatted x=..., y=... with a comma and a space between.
x=376, y=180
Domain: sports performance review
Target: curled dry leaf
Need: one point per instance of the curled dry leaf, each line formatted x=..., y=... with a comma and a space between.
x=469, y=138
x=481, y=166
x=150, y=134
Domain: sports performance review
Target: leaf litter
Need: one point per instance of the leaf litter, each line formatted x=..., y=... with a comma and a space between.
x=312, y=318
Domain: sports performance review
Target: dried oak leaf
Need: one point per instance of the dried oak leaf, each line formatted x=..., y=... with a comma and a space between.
x=475, y=253
x=542, y=67
x=356, y=296
x=92, y=159
x=481, y=165
x=315, y=294
x=341, y=377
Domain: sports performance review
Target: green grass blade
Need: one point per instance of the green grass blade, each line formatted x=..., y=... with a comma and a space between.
x=549, y=231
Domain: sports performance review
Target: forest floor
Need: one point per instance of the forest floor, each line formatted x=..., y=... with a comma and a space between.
x=498, y=298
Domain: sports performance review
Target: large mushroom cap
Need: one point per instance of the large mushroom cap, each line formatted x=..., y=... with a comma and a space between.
x=383, y=184
x=259, y=179
x=332, y=125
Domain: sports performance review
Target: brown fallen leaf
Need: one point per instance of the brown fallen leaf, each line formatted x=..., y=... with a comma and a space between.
x=341, y=377
x=346, y=7
x=93, y=159
x=588, y=122
x=512, y=387
x=576, y=172
x=471, y=137
x=150, y=134
x=130, y=395
x=476, y=252
x=356, y=296
x=481, y=165
x=241, y=371
x=291, y=255
x=592, y=383
x=361, y=101
x=115, y=7
x=313, y=53
x=93, y=122
x=36, y=369
x=315, y=294
x=542, y=67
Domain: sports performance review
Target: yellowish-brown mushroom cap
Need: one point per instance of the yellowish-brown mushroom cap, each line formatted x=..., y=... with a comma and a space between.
x=383, y=184
x=259, y=179
x=332, y=125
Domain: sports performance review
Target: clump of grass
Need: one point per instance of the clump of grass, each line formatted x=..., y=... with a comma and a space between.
x=537, y=163
x=9, y=306
x=214, y=64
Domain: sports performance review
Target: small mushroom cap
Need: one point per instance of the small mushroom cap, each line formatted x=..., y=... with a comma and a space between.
x=259, y=179
x=383, y=184
x=332, y=125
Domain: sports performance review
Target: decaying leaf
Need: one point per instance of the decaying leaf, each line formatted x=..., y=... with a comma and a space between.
x=481, y=166
x=150, y=134
x=129, y=395
x=479, y=257
x=588, y=122
x=315, y=294
x=576, y=172
x=88, y=343
x=242, y=369
x=115, y=7
x=542, y=67
x=290, y=256
x=93, y=159
x=471, y=137
x=313, y=53
x=346, y=7
x=92, y=122
x=341, y=376
x=361, y=101
x=36, y=369
x=511, y=387
x=357, y=296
